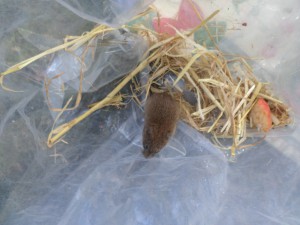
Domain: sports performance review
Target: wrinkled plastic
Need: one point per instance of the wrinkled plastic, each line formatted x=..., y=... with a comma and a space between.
x=100, y=62
x=101, y=177
x=186, y=18
x=113, y=182
x=111, y=12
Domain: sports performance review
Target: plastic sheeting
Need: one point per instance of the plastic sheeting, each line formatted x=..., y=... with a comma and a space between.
x=101, y=176
x=111, y=12
x=100, y=62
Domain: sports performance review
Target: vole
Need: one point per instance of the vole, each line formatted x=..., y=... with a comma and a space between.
x=161, y=115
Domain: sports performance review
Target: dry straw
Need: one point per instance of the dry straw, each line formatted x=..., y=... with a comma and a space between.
x=224, y=96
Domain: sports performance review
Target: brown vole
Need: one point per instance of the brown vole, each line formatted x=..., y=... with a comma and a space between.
x=161, y=115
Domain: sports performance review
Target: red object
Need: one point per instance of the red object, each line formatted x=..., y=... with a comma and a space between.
x=187, y=18
x=261, y=115
x=163, y=26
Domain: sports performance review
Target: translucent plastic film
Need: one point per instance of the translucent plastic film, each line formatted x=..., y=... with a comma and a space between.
x=111, y=12
x=98, y=174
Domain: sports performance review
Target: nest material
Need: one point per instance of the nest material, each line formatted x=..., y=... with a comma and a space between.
x=226, y=89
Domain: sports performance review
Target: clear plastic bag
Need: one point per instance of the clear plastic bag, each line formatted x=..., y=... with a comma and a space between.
x=113, y=183
x=101, y=176
x=111, y=12
x=103, y=60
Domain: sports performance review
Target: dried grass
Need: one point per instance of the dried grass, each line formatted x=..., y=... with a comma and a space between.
x=224, y=96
